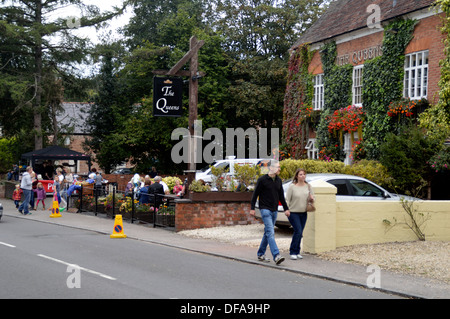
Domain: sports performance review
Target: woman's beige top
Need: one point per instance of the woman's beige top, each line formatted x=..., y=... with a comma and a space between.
x=296, y=198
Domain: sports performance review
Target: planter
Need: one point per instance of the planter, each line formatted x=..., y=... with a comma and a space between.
x=165, y=220
x=146, y=217
x=221, y=196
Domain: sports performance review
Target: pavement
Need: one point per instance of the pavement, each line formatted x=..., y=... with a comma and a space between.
x=390, y=282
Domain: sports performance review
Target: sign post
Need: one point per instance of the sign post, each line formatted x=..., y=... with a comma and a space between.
x=192, y=57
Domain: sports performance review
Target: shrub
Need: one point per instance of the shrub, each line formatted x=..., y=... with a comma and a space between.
x=246, y=175
x=406, y=156
x=171, y=181
x=372, y=170
x=198, y=187
x=289, y=166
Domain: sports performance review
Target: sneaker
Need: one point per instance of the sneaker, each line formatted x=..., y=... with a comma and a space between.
x=263, y=258
x=278, y=259
x=299, y=256
x=294, y=257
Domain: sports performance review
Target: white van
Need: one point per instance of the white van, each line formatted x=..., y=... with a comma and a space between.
x=205, y=173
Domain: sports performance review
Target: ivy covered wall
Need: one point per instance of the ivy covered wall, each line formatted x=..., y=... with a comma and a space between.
x=382, y=84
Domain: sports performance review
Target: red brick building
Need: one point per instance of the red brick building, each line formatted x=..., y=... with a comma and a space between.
x=358, y=27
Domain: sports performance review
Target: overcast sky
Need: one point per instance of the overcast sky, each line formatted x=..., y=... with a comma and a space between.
x=73, y=11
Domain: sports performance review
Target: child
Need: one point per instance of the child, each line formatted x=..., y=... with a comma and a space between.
x=40, y=195
x=57, y=188
x=17, y=195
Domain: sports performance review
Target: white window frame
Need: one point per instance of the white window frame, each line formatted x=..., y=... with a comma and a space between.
x=416, y=75
x=357, y=85
x=318, y=97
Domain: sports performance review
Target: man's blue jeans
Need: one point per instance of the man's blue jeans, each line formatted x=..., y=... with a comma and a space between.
x=268, y=218
x=26, y=201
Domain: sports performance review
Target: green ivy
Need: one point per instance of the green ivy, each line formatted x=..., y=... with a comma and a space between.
x=337, y=94
x=383, y=83
x=337, y=79
x=298, y=103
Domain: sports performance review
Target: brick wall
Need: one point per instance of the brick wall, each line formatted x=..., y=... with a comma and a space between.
x=427, y=36
x=193, y=215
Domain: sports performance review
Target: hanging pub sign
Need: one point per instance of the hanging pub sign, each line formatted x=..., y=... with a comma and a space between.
x=167, y=97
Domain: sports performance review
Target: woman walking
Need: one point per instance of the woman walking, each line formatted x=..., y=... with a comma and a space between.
x=297, y=198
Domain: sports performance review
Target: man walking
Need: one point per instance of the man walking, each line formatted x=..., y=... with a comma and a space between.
x=26, y=186
x=269, y=189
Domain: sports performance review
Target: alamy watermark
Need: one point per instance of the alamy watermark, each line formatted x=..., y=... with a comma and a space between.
x=374, y=279
x=73, y=22
x=74, y=279
x=191, y=148
x=374, y=19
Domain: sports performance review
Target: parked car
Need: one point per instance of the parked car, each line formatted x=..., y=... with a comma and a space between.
x=228, y=163
x=123, y=171
x=1, y=211
x=349, y=187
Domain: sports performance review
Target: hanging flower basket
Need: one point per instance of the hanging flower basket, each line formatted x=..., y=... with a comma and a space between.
x=347, y=120
x=402, y=108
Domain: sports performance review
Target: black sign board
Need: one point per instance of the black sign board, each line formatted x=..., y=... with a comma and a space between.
x=167, y=97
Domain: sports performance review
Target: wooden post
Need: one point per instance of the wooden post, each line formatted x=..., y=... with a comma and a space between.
x=193, y=101
x=194, y=75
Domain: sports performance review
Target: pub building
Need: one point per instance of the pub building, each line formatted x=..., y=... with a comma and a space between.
x=357, y=27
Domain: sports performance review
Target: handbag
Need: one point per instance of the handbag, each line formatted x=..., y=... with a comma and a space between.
x=310, y=207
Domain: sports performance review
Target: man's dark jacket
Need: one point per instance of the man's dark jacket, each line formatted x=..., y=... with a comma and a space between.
x=270, y=192
x=156, y=188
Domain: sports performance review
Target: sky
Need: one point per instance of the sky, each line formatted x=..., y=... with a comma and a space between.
x=73, y=12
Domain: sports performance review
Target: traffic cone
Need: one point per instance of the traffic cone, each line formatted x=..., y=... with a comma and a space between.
x=55, y=209
x=118, y=228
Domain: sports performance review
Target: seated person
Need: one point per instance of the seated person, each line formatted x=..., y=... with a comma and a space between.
x=144, y=195
x=157, y=188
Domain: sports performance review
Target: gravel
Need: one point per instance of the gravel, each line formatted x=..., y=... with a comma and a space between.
x=425, y=259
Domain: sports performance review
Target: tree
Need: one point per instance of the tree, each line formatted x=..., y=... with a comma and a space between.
x=159, y=44
x=406, y=157
x=258, y=36
x=108, y=113
x=31, y=37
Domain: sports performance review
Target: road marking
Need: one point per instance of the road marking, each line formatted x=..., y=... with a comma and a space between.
x=81, y=268
x=7, y=245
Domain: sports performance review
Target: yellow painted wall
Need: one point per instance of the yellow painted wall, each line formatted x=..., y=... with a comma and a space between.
x=362, y=222
x=344, y=223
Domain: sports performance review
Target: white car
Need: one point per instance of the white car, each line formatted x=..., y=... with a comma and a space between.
x=349, y=187
x=206, y=175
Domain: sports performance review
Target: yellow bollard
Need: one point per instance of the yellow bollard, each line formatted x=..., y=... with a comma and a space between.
x=55, y=209
x=118, y=228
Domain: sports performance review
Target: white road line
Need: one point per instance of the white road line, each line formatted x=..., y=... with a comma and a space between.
x=7, y=245
x=81, y=268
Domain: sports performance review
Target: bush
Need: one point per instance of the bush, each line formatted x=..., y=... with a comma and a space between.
x=289, y=166
x=372, y=170
x=246, y=175
x=171, y=181
x=406, y=156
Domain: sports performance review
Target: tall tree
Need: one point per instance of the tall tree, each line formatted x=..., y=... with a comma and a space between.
x=258, y=36
x=29, y=33
x=108, y=113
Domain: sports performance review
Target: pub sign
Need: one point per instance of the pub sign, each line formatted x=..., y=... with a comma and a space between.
x=167, y=97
